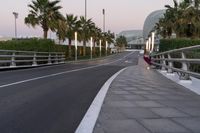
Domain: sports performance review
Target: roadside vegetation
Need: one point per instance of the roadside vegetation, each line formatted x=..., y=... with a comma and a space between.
x=46, y=14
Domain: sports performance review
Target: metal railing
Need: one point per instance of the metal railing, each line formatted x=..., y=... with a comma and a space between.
x=14, y=59
x=166, y=61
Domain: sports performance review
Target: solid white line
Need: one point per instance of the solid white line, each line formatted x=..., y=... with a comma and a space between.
x=60, y=73
x=88, y=122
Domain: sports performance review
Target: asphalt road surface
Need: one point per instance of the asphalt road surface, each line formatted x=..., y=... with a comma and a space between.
x=54, y=99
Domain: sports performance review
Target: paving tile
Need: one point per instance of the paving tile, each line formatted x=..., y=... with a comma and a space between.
x=120, y=104
x=133, y=97
x=163, y=126
x=140, y=92
x=148, y=104
x=190, y=123
x=161, y=92
x=155, y=97
x=138, y=113
x=191, y=111
x=169, y=112
x=111, y=113
x=120, y=92
x=130, y=88
x=123, y=126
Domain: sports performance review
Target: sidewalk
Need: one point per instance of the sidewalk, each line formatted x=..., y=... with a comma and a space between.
x=144, y=101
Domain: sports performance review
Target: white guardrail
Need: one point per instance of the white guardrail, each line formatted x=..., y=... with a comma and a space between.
x=166, y=62
x=16, y=59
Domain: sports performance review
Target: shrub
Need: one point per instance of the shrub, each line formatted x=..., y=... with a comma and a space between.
x=169, y=44
x=46, y=45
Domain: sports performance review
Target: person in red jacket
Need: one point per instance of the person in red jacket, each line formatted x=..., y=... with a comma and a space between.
x=147, y=59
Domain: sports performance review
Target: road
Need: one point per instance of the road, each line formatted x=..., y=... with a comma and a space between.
x=54, y=99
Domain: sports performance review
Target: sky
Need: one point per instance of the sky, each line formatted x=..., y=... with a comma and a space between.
x=120, y=14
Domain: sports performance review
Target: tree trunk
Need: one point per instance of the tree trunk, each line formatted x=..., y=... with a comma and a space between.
x=45, y=34
x=94, y=49
x=84, y=47
x=70, y=49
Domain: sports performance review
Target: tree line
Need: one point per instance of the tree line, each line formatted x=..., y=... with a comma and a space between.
x=183, y=19
x=46, y=13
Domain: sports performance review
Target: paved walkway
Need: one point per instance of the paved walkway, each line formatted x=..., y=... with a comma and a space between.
x=143, y=101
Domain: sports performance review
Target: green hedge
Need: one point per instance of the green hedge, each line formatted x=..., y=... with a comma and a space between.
x=40, y=45
x=169, y=44
x=45, y=45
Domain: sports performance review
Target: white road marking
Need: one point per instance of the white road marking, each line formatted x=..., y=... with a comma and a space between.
x=88, y=122
x=60, y=73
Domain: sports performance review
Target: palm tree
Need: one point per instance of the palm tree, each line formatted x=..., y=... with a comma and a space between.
x=121, y=42
x=61, y=30
x=44, y=13
x=85, y=26
x=97, y=35
x=73, y=26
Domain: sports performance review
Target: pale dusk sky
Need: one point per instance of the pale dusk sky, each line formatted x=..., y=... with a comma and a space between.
x=120, y=14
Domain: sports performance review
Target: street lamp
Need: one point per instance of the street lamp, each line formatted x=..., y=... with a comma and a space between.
x=16, y=16
x=104, y=20
x=85, y=9
x=76, y=43
x=149, y=48
x=147, y=45
x=152, y=44
x=106, y=47
x=100, y=47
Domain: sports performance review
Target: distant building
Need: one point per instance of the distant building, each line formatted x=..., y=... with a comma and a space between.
x=149, y=26
x=150, y=22
x=5, y=38
x=134, y=38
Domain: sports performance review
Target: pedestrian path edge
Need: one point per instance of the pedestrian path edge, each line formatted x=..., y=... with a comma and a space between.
x=88, y=122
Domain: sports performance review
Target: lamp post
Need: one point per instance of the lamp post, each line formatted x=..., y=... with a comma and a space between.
x=76, y=43
x=100, y=47
x=147, y=45
x=104, y=18
x=16, y=16
x=149, y=48
x=106, y=47
x=152, y=44
x=85, y=9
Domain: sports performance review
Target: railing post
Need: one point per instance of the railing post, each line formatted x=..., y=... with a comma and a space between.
x=49, y=59
x=184, y=76
x=163, y=63
x=63, y=59
x=13, y=64
x=34, y=59
x=170, y=64
x=56, y=61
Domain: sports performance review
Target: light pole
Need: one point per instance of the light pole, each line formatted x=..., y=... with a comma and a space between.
x=85, y=9
x=16, y=16
x=152, y=39
x=104, y=18
x=149, y=48
x=100, y=47
x=76, y=43
x=106, y=48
